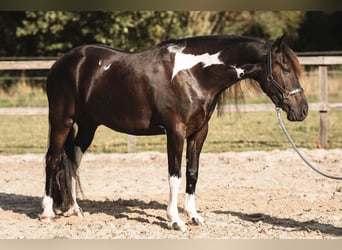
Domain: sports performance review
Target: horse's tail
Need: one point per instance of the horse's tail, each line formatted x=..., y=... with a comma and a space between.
x=65, y=179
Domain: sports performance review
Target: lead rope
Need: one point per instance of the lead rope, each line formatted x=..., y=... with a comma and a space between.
x=296, y=149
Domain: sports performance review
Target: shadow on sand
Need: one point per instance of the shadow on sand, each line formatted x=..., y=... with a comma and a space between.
x=135, y=209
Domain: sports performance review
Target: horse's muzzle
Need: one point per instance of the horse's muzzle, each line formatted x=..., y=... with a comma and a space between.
x=298, y=114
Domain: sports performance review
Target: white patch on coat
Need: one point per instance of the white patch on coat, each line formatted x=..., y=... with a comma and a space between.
x=187, y=61
x=239, y=72
x=107, y=67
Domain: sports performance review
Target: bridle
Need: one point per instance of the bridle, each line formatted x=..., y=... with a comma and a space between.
x=285, y=93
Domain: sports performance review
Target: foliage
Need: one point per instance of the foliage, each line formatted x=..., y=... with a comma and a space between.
x=54, y=32
x=320, y=32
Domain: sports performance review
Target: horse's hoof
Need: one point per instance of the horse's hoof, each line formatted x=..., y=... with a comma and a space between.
x=74, y=211
x=70, y=213
x=177, y=226
x=195, y=221
x=58, y=211
x=46, y=219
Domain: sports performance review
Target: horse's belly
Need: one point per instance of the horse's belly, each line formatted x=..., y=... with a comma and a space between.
x=130, y=123
x=136, y=130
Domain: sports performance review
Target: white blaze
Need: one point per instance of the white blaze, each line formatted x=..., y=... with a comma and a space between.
x=187, y=61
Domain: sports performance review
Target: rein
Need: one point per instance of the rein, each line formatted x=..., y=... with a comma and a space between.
x=285, y=93
x=296, y=149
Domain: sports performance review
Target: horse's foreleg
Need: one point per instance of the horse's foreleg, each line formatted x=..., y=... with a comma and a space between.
x=194, y=147
x=175, y=143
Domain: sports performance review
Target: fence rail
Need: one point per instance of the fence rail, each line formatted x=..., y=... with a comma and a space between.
x=26, y=65
x=223, y=108
x=323, y=106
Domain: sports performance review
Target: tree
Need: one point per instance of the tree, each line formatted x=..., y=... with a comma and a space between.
x=8, y=23
x=320, y=31
x=54, y=32
x=267, y=25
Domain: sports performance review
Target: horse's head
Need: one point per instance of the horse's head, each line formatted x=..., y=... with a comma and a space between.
x=281, y=80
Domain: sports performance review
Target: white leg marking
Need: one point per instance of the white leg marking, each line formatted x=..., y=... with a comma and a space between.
x=190, y=209
x=239, y=72
x=172, y=210
x=187, y=61
x=47, y=204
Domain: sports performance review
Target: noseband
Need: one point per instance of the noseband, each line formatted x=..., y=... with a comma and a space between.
x=285, y=93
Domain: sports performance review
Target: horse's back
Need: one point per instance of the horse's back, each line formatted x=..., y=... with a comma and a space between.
x=114, y=87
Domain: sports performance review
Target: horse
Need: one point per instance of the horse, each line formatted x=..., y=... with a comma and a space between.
x=170, y=89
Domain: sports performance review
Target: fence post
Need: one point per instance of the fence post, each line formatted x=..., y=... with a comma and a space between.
x=323, y=111
x=131, y=143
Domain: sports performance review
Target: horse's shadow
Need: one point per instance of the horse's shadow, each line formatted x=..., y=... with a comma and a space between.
x=311, y=225
x=135, y=209
x=131, y=209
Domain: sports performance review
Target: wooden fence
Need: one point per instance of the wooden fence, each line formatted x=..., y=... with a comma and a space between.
x=322, y=62
x=323, y=106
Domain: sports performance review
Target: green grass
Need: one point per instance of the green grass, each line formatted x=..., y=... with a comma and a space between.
x=233, y=132
x=23, y=95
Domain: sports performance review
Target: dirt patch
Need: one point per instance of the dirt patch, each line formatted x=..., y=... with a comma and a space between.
x=239, y=195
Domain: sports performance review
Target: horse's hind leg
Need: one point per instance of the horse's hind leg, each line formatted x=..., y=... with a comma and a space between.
x=84, y=137
x=54, y=173
x=75, y=209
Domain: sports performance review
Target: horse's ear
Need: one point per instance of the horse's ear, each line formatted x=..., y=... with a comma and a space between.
x=279, y=42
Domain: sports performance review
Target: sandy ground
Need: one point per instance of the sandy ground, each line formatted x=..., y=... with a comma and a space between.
x=239, y=195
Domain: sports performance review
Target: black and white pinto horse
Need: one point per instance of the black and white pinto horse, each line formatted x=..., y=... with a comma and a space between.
x=170, y=89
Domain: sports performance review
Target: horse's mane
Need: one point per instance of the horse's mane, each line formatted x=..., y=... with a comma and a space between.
x=294, y=60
